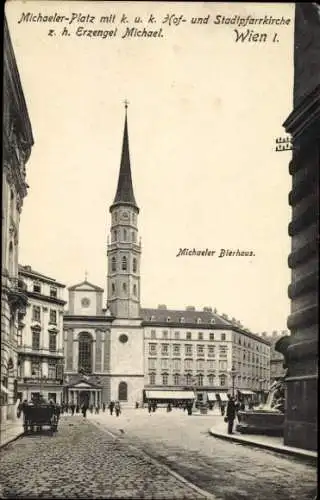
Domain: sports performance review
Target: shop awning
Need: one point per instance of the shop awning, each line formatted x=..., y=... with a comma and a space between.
x=212, y=396
x=170, y=395
x=246, y=391
x=223, y=396
x=4, y=389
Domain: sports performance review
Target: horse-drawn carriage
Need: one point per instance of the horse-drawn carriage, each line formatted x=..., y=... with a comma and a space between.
x=38, y=414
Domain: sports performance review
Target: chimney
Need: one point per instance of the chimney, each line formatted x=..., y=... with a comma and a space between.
x=190, y=308
x=207, y=309
x=162, y=306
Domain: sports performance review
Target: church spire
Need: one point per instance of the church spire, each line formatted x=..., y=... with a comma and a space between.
x=124, y=192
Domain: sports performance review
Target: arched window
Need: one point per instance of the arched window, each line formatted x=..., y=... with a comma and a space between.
x=124, y=265
x=188, y=379
x=123, y=391
x=222, y=380
x=134, y=289
x=176, y=379
x=85, y=352
x=124, y=235
x=134, y=265
x=11, y=260
x=113, y=264
x=152, y=379
x=165, y=378
x=113, y=288
x=198, y=320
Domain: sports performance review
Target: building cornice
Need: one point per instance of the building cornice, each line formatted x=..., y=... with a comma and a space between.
x=45, y=298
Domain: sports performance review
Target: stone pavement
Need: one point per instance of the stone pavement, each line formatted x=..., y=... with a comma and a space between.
x=226, y=469
x=82, y=461
x=10, y=430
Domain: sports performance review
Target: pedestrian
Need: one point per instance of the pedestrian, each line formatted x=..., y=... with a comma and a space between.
x=91, y=408
x=137, y=405
x=242, y=406
x=169, y=407
x=84, y=410
x=103, y=407
x=117, y=408
x=231, y=414
x=111, y=406
x=73, y=407
x=189, y=407
x=149, y=407
x=154, y=406
x=77, y=408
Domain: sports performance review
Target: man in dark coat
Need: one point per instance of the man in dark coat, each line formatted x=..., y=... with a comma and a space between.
x=231, y=414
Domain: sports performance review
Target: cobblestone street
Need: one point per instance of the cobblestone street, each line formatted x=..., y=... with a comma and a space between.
x=84, y=461
x=228, y=470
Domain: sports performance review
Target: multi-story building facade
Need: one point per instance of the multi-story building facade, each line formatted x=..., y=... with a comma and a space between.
x=40, y=339
x=205, y=351
x=17, y=144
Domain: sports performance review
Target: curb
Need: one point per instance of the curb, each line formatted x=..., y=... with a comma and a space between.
x=10, y=440
x=203, y=493
x=283, y=451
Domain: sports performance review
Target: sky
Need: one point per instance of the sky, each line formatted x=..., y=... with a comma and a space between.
x=204, y=113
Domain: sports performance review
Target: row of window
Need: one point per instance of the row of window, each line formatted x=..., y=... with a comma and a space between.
x=187, y=363
x=188, y=379
x=36, y=341
x=124, y=235
x=124, y=288
x=37, y=288
x=36, y=315
x=188, y=335
x=188, y=349
x=124, y=264
x=37, y=372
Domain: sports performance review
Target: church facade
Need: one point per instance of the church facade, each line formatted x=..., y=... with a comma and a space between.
x=128, y=353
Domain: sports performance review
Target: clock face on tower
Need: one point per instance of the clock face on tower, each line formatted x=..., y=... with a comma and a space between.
x=124, y=215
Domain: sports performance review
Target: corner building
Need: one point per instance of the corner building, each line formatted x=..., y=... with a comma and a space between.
x=128, y=353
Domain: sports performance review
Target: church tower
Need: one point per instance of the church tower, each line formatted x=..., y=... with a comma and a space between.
x=124, y=250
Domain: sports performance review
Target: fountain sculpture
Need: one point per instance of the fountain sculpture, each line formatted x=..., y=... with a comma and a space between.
x=267, y=418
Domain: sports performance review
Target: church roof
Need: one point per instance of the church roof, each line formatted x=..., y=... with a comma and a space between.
x=85, y=285
x=189, y=316
x=124, y=194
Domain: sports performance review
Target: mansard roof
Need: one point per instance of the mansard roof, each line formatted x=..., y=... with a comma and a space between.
x=189, y=316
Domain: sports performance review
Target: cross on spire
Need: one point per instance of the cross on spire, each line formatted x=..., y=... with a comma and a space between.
x=126, y=102
x=86, y=275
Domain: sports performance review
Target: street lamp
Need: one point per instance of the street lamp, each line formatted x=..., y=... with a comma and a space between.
x=233, y=374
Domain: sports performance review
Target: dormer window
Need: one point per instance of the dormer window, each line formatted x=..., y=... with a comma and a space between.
x=152, y=318
x=182, y=319
x=168, y=319
x=37, y=287
x=212, y=321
